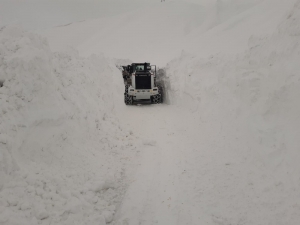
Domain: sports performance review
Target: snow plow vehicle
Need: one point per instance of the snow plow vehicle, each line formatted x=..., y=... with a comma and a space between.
x=140, y=84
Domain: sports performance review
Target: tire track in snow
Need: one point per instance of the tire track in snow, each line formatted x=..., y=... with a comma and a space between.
x=156, y=196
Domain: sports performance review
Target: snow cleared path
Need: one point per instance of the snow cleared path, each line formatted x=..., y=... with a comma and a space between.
x=159, y=193
x=190, y=173
x=178, y=176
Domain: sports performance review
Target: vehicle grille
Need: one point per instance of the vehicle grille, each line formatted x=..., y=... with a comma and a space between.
x=143, y=82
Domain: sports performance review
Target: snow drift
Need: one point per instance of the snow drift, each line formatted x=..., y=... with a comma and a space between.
x=249, y=105
x=61, y=142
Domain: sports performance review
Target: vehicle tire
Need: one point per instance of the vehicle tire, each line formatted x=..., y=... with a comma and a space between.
x=156, y=99
x=161, y=94
x=126, y=88
x=153, y=99
x=127, y=98
x=159, y=98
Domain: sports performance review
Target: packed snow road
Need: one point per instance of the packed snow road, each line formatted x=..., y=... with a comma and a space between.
x=190, y=174
x=161, y=190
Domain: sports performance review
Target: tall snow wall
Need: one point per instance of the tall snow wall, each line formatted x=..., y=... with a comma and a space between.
x=60, y=139
x=249, y=104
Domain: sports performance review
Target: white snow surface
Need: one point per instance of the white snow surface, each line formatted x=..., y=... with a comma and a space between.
x=223, y=149
x=62, y=146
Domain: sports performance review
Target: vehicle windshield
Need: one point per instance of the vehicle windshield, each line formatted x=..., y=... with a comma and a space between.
x=140, y=68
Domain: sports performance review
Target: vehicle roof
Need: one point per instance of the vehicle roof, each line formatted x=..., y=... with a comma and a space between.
x=139, y=63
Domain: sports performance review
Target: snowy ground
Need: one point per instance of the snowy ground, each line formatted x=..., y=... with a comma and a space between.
x=223, y=150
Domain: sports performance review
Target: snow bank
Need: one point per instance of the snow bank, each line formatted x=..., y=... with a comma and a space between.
x=62, y=146
x=38, y=15
x=146, y=33
x=249, y=106
x=229, y=24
